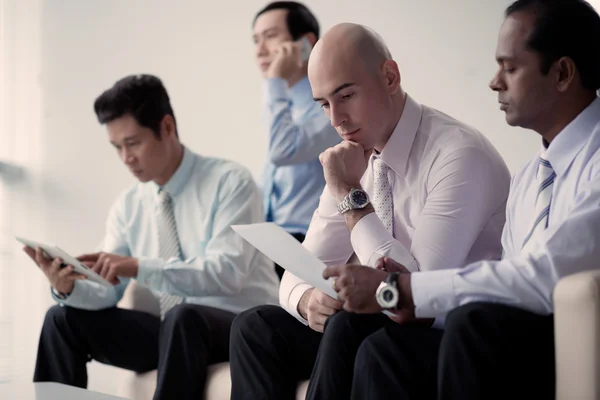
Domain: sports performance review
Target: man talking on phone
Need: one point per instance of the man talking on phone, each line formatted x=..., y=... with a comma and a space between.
x=284, y=33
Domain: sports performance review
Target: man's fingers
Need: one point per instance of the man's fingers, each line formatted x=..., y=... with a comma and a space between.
x=105, y=268
x=30, y=252
x=334, y=270
x=89, y=257
x=112, y=276
x=329, y=302
x=64, y=272
x=319, y=319
x=393, y=266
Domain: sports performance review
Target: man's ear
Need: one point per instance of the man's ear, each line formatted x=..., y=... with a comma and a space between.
x=391, y=76
x=167, y=126
x=566, y=72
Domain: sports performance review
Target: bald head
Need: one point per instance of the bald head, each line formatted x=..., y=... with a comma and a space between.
x=357, y=83
x=349, y=42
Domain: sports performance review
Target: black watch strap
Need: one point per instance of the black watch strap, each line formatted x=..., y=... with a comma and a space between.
x=392, y=279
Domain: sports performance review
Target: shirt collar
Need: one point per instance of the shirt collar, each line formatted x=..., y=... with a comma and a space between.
x=180, y=177
x=397, y=149
x=301, y=92
x=569, y=142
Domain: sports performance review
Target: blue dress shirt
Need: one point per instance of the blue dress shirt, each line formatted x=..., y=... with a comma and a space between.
x=218, y=268
x=299, y=131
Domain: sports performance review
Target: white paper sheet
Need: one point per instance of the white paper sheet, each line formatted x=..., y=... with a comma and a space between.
x=283, y=249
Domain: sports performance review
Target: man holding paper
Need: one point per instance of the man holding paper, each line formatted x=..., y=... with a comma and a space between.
x=499, y=341
x=407, y=182
x=170, y=232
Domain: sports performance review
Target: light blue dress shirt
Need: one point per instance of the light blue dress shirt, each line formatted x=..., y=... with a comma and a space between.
x=218, y=268
x=526, y=278
x=299, y=131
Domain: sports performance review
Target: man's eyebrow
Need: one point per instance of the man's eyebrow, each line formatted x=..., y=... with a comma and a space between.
x=335, y=91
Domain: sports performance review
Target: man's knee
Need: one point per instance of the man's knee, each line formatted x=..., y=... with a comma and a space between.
x=259, y=317
x=183, y=315
x=471, y=316
x=58, y=316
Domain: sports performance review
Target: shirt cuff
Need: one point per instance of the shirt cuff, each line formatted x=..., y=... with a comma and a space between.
x=72, y=298
x=149, y=272
x=367, y=236
x=276, y=89
x=433, y=292
x=294, y=300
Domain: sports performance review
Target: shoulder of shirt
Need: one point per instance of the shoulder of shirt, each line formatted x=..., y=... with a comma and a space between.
x=218, y=168
x=448, y=134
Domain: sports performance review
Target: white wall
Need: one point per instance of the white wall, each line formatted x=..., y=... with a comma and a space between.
x=60, y=54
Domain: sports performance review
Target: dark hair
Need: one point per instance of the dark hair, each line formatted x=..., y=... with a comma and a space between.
x=142, y=96
x=300, y=20
x=565, y=28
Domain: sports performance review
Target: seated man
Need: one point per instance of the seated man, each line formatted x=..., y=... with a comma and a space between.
x=170, y=232
x=498, y=342
x=407, y=182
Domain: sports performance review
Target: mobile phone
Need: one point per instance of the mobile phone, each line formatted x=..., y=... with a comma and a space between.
x=305, y=48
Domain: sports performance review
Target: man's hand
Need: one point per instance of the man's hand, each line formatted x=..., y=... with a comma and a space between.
x=61, y=277
x=344, y=165
x=287, y=63
x=401, y=315
x=356, y=286
x=315, y=306
x=110, y=266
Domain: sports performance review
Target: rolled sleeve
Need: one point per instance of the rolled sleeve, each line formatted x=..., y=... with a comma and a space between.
x=371, y=241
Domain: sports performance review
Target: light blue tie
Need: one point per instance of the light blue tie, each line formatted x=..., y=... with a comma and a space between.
x=168, y=245
x=545, y=179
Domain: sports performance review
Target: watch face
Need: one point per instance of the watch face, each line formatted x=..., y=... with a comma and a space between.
x=387, y=295
x=359, y=198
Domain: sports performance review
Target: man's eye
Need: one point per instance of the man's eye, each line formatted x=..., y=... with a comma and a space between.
x=347, y=96
x=325, y=105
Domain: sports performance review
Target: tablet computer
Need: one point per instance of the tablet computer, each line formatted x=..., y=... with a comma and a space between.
x=53, y=251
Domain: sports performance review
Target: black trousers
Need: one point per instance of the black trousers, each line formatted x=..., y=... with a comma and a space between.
x=271, y=352
x=190, y=338
x=487, y=351
x=299, y=237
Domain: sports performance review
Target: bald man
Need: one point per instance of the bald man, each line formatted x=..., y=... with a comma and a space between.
x=407, y=182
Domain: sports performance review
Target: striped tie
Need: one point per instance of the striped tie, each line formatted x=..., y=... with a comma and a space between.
x=382, y=199
x=168, y=245
x=545, y=177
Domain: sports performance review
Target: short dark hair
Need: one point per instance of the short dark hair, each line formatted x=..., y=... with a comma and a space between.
x=565, y=28
x=142, y=96
x=300, y=20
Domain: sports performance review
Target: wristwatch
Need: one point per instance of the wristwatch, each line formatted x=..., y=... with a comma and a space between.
x=387, y=294
x=357, y=198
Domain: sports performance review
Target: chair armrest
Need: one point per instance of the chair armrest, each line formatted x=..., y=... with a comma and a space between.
x=577, y=336
x=140, y=298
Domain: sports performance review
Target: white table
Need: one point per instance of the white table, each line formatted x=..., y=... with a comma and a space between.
x=49, y=391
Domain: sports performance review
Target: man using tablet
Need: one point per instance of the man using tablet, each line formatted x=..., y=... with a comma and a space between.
x=170, y=232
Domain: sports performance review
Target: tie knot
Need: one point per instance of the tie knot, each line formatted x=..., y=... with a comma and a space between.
x=164, y=197
x=379, y=165
x=544, y=161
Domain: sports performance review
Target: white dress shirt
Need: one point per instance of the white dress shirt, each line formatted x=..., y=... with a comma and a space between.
x=569, y=244
x=449, y=188
x=217, y=268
